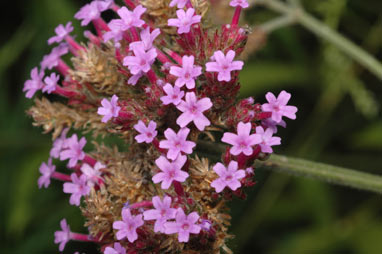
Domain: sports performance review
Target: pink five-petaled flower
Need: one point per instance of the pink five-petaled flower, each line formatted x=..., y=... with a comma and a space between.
x=61, y=33
x=93, y=174
x=229, y=176
x=51, y=60
x=62, y=237
x=269, y=123
x=171, y=171
x=179, y=3
x=161, y=213
x=266, y=139
x=185, y=20
x=59, y=144
x=176, y=143
x=34, y=84
x=193, y=109
x=92, y=11
x=279, y=107
x=184, y=225
x=50, y=83
x=147, y=134
x=241, y=3
x=187, y=73
x=118, y=249
x=147, y=39
x=173, y=95
x=109, y=109
x=141, y=61
x=46, y=171
x=78, y=188
x=128, y=225
x=224, y=64
x=73, y=150
x=241, y=142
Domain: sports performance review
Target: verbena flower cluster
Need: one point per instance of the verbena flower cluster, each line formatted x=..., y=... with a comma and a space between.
x=165, y=89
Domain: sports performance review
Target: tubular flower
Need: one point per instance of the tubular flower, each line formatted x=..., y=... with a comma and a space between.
x=157, y=88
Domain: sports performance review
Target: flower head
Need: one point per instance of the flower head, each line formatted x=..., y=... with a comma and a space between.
x=118, y=249
x=147, y=134
x=73, y=150
x=78, y=188
x=59, y=144
x=61, y=33
x=171, y=171
x=128, y=226
x=46, y=171
x=34, y=84
x=173, y=95
x=184, y=225
x=241, y=3
x=266, y=139
x=187, y=73
x=185, y=20
x=92, y=11
x=224, y=64
x=243, y=141
x=177, y=143
x=179, y=3
x=141, y=61
x=229, y=176
x=50, y=83
x=193, y=109
x=51, y=60
x=147, y=39
x=279, y=107
x=109, y=109
x=93, y=174
x=63, y=236
x=128, y=19
x=161, y=213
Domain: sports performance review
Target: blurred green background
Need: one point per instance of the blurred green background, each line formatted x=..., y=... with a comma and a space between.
x=339, y=122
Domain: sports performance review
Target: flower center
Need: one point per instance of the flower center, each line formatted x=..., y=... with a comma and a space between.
x=143, y=62
x=171, y=173
x=228, y=178
x=163, y=212
x=185, y=226
x=187, y=75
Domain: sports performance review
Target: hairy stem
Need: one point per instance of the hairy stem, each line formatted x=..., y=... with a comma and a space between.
x=315, y=170
x=323, y=31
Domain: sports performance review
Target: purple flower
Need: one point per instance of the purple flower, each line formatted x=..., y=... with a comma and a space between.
x=179, y=3
x=147, y=39
x=93, y=174
x=205, y=224
x=128, y=226
x=187, y=74
x=128, y=19
x=109, y=109
x=59, y=144
x=193, y=109
x=134, y=79
x=147, y=134
x=279, y=107
x=269, y=123
x=249, y=171
x=177, y=143
x=224, y=64
x=141, y=61
x=92, y=11
x=34, y=84
x=78, y=188
x=62, y=237
x=173, y=95
x=51, y=60
x=118, y=249
x=73, y=150
x=171, y=171
x=50, y=83
x=46, y=171
x=266, y=139
x=242, y=142
x=61, y=33
x=229, y=176
x=161, y=213
x=184, y=225
x=185, y=20
x=241, y=3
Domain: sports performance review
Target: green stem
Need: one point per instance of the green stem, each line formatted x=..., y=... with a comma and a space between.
x=315, y=170
x=325, y=32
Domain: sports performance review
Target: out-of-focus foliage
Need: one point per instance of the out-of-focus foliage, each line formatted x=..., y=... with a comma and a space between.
x=339, y=122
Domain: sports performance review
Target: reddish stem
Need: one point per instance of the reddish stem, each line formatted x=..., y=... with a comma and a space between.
x=82, y=237
x=152, y=77
x=73, y=45
x=162, y=57
x=156, y=145
x=62, y=67
x=141, y=204
x=65, y=93
x=89, y=160
x=135, y=34
x=178, y=188
x=130, y=4
x=189, y=4
x=174, y=56
x=61, y=177
x=236, y=16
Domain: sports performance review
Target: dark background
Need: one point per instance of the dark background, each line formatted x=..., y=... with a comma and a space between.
x=339, y=122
